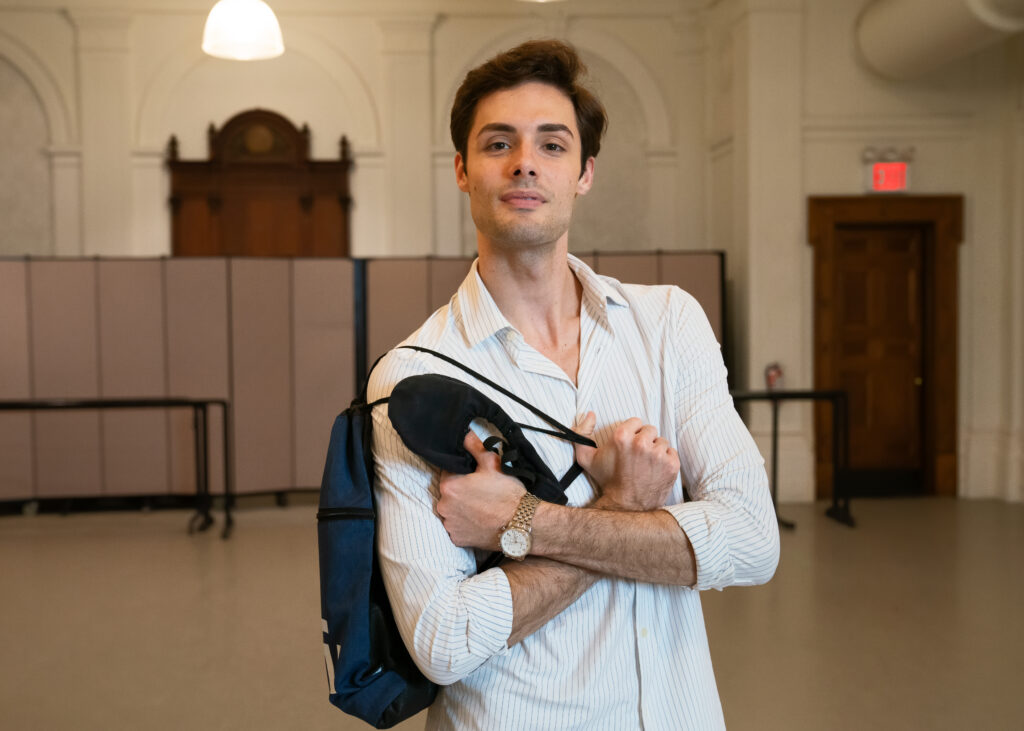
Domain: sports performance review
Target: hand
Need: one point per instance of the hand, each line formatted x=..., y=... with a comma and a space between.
x=475, y=507
x=635, y=469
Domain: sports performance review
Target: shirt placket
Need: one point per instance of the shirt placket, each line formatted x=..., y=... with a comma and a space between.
x=646, y=649
x=595, y=341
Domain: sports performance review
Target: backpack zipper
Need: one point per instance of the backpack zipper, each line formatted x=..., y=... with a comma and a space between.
x=344, y=513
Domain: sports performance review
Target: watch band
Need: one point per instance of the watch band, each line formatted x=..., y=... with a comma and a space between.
x=523, y=517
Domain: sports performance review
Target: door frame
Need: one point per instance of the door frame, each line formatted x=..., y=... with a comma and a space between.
x=941, y=217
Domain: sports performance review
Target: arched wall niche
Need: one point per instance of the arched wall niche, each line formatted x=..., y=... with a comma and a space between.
x=590, y=43
x=228, y=87
x=502, y=39
x=615, y=214
x=26, y=226
x=59, y=120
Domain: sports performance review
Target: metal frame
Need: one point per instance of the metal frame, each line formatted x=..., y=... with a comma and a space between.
x=840, y=508
x=202, y=519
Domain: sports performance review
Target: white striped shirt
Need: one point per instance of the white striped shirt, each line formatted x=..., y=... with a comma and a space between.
x=626, y=654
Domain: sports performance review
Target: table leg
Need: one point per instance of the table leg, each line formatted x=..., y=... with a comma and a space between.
x=229, y=477
x=202, y=518
x=840, y=508
x=775, y=465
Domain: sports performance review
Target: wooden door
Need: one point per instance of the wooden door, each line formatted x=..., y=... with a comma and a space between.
x=877, y=326
x=885, y=331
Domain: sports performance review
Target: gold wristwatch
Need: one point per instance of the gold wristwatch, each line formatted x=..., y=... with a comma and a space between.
x=515, y=536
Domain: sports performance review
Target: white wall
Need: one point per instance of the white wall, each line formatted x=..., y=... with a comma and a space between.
x=121, y=82
x=791, y=107
x=964, y=122
x=725, y=116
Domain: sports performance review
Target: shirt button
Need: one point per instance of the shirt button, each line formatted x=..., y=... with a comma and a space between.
x=643, y=632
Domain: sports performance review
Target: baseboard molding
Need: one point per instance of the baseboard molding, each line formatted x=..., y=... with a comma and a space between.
x=73, y=505
x=988, y=466
x=1015, y=470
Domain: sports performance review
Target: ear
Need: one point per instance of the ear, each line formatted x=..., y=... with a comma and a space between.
x=587, y=178
x=460, y=173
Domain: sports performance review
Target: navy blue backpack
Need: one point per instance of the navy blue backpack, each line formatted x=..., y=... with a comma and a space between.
x=369, y=670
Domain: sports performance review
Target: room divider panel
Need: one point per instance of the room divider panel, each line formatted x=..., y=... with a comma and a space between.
x=198, y=357
x=701, y=273
x=16, y=471
x=402, y=293
x=324, y=360
x=132, y=364
x=396, y=302
x=261, y=372
x=64, y=358
x=278, y=338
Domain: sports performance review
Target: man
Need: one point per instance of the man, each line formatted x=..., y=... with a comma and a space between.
x=600, y=627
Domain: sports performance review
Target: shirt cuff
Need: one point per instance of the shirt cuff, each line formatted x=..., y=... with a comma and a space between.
x=490, y=604
x=709, y=538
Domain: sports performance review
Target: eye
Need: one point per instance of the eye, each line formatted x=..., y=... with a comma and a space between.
x=553, y=147
x=498, y=145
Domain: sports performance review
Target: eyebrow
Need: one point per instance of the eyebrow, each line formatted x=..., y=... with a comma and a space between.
x=502, y=127
x=555, y=128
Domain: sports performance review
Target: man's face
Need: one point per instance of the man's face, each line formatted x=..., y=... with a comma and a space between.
x=522, y=167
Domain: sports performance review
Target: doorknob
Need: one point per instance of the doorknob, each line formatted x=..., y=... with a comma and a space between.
x=918, y=381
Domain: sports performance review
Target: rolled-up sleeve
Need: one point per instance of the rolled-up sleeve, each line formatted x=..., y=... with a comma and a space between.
x=451, y=618
x=730, y=521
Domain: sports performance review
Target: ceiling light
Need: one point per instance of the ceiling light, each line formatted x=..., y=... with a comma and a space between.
x=242, y=30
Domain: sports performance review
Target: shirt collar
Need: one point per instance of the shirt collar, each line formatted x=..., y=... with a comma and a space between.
x=481, y=318
x=478, y=313
x=600, y=291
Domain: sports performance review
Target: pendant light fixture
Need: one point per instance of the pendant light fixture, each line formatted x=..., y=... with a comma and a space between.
x=242, y=30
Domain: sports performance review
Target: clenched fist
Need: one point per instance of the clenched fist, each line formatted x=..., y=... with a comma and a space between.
x=635, y=469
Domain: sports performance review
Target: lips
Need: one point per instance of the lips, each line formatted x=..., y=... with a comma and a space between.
x=523, y=198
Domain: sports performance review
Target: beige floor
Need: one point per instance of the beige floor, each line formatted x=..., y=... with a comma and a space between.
x=913, y=620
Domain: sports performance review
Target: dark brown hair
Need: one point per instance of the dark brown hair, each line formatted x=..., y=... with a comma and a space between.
x=548, y=62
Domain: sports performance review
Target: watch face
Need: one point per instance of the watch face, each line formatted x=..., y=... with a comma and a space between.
x=515, y=543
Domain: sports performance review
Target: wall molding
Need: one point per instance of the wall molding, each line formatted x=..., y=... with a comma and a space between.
x=608, y=47
x=186, y=57
x=60, y=120
x=821, y=128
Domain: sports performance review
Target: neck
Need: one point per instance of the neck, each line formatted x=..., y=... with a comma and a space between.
x=539, y=295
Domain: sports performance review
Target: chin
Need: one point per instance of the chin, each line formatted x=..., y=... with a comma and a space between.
x=525, y=237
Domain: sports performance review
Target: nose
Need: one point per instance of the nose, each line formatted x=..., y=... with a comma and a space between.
x=523, y=165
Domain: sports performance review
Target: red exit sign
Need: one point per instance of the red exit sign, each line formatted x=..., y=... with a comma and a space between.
x=889, y=177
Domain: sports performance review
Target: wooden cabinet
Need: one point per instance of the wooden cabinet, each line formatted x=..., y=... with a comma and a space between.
x=259, y=194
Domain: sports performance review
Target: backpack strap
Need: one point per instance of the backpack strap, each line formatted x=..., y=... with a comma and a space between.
x=563, y=432
x=361, y=398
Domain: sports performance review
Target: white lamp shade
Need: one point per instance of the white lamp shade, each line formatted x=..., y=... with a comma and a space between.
x=242, y=30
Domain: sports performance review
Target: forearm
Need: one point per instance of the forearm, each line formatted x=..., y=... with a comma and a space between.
x=542, y=589
x=735, y=535
x=646, y=546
